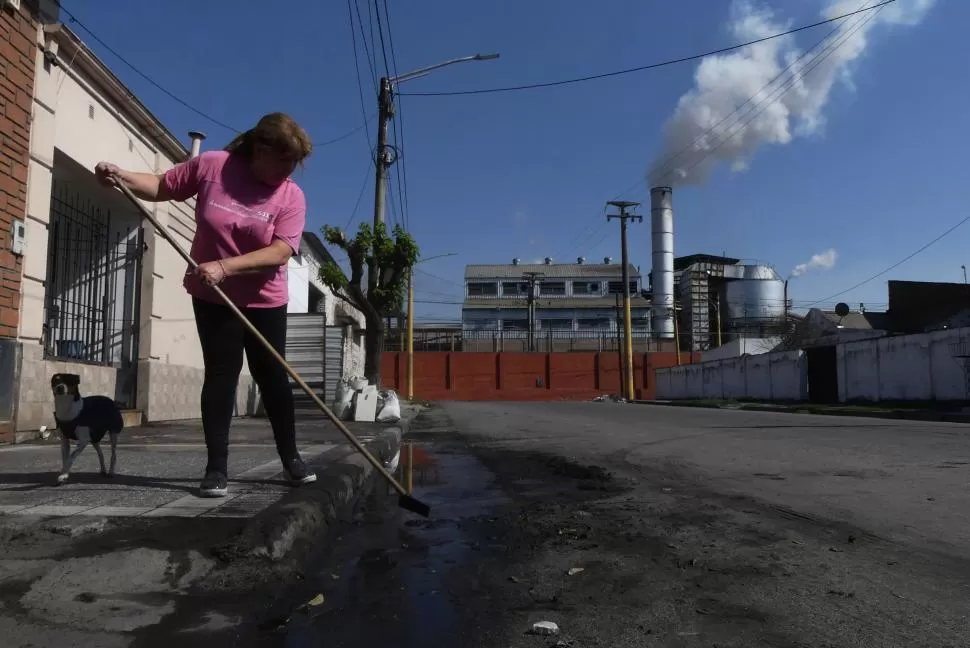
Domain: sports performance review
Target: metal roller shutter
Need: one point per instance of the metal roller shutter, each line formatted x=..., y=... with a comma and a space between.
x=306, y=352
x=334, y=361
x=316, y=352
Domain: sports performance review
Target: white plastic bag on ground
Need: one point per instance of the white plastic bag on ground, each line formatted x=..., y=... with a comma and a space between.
x=343, y=401
x=391, y=411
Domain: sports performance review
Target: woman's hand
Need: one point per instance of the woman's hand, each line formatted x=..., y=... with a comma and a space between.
x=211, y=273
x=108, y=175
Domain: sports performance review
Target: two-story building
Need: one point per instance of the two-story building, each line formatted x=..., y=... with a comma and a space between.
x=575, y=306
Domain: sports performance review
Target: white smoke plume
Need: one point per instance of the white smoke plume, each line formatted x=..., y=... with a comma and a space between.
x=822, y=261
x=713, y=123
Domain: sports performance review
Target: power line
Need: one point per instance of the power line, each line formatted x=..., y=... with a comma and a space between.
x=74, y=19
x=360, y=85
x=817, y=60
x=893, y=266
x=710, y=130
x=360, y=195
x=363, y=38
x=402, y=185
x=380, y=32
x=651, y=66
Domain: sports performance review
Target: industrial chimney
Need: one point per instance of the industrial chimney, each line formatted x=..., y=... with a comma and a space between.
x=196, y=138
x=662, y=235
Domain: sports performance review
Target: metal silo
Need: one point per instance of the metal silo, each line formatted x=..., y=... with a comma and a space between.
x=757, y=299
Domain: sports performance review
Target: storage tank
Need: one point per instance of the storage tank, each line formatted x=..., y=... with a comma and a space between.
x=757, y=298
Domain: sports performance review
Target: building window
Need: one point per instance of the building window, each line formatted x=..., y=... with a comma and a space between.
x=557, y=324
x=553, y=288
x=515, y=325
x=616, y=287
x=515, y=289
x=482, y=289
x=481, y=325
x=594, y=323
x=586, y=287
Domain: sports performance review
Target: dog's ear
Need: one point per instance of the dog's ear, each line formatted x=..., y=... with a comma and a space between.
x=72, y=379
x=56, y=378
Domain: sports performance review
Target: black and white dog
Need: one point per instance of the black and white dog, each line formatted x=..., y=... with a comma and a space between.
x=85, y=420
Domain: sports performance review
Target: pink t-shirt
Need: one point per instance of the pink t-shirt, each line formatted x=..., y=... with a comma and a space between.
x=236, y=214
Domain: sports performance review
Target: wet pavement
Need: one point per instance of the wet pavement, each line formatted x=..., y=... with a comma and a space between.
x=397, y=580
x=632, y=529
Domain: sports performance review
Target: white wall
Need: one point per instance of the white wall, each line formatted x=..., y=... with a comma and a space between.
x=899, y=368
x=298, y=285
x=906, y=367
x=767, y=376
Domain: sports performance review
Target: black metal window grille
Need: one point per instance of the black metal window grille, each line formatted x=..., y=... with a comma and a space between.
x=91, y=309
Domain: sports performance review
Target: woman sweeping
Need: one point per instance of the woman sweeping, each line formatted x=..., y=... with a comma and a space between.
x=249, y=217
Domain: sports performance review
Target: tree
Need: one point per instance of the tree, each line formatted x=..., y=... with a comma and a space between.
x=387, y=260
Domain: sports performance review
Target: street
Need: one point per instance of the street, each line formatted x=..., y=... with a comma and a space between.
x=636, y=525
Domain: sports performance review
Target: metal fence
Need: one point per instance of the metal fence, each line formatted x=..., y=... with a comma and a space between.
x=93, y=271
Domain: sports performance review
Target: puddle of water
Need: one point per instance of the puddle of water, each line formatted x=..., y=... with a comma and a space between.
x=398, y=580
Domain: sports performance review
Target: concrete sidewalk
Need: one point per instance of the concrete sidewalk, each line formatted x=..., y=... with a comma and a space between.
x=159, y=468
x=130, y=561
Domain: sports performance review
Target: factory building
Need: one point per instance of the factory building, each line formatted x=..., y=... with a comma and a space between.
x=715, y=298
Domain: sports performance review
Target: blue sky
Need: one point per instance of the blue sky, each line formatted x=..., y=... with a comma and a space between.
x=526, y=174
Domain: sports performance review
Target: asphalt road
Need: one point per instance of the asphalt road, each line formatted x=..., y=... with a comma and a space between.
x=633, y=525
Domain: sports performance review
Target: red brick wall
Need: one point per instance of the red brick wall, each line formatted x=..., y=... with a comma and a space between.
x=18, y=36
x=521, y=376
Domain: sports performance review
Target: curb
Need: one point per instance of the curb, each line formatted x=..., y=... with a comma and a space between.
x=907, y=415
x=303, y=517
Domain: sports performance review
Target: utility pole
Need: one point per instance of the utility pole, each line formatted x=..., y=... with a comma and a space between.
x=411, y=333
x=623, y=216
x=382, y=160
x=619, y=348
x=534, y=278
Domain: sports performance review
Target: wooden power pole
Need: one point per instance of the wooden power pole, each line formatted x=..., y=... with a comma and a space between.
x=623, y=216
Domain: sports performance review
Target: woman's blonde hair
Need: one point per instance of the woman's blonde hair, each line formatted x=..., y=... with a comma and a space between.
x=278, y=131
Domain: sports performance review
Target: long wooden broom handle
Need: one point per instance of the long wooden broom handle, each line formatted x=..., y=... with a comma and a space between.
x=269, y=347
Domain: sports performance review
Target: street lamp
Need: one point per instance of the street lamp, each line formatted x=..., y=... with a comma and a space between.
x=385, y=100
x=383, y=160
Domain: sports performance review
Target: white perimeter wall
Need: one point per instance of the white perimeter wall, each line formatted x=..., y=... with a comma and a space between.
x=906, y=367
x=901, y=368
x=767, y=376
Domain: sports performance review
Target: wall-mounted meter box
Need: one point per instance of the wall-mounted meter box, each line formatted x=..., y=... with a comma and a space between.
x=18, y=237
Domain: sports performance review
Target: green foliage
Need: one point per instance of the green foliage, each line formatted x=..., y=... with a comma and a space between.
x=391, y=255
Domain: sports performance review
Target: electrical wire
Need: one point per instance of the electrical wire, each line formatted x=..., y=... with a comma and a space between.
x=401, y=173
x=380, y=32
x=784, y=88
x=363, y=188
x=651, y=66
x=360, y=84
x=639, y=184
x=74, y=20
x=895, y=265
x=363, y=37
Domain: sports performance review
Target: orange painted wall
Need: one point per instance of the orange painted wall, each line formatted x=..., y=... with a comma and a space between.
x=463, y=376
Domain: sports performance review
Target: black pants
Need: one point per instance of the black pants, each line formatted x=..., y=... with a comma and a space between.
x=223, y=339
